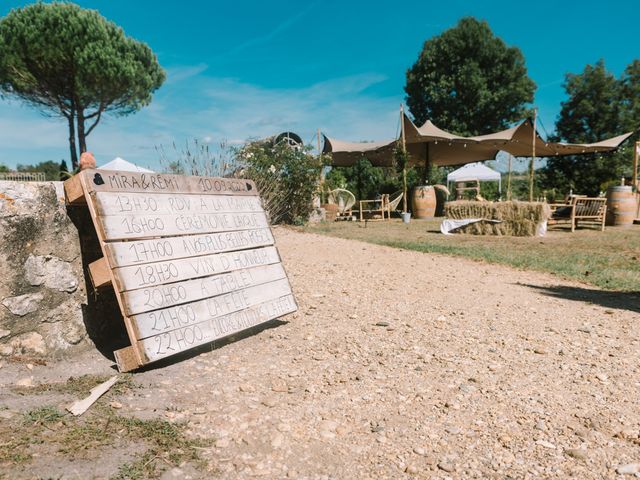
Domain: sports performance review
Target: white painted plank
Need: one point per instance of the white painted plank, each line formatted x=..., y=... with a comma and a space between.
x=163, y=296
x=167, y=319
x=115, y=181
x=144, y=251
x=185, y=338
x=122, y=227
x=159, y=273
x=129, y=203
x=81, y=406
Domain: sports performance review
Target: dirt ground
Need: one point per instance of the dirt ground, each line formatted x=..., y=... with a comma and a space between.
x=398, y=365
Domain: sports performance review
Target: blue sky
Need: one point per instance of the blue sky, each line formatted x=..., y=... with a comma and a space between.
x=254, y=68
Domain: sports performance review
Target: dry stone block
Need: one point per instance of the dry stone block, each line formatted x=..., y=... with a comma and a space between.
x=42, y=287
x=29, y=343
x=23, y=304
x=51, y=271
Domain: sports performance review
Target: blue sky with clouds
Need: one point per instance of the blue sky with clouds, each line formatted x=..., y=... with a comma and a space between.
x=253, y=68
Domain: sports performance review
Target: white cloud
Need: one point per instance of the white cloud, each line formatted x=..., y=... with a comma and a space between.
x=212, y=109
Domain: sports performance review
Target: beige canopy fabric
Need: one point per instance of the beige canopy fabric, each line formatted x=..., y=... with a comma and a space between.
x=430, y=144
x=345, y=154
x=518, y=142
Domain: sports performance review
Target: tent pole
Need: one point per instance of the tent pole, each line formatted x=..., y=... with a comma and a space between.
x=509, y=179
x=533, y=154
x=404, y=167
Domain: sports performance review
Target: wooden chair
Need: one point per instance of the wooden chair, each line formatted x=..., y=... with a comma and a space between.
x=377, y=209
x=579, y=209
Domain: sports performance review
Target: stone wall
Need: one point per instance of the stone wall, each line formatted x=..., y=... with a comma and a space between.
x=48, y=308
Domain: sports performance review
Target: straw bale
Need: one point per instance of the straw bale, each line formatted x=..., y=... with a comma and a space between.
x=519, y=219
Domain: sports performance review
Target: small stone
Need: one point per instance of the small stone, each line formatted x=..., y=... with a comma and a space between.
x=247, y=388
x=540, y=351
x=545, y=444
x=222, y=443
x=419, y=451
x=116, y=405
x=602, y=377
x=577, y=453
x=411, y=469
x=6, y=414
x=628, y=469
x=279, y=386
x=277, y=440
x=4, y=333
x=269, y=402
x=467, y=388
x=584, y=329
x=25, y=382
x=447, y=467
x=23, y=304
x=328, y=425
x=541, y=426
x=327, y=435
x=452, y=430
x=382, y=324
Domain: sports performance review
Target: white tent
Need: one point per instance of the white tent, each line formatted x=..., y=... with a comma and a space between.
x=475, y=171
x=122, y=165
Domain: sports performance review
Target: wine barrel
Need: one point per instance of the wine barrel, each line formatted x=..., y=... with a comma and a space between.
x=621, y=206
x=424, y=202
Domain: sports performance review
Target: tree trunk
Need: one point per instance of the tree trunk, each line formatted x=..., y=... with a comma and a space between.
x=72, y=141
x=82, y=138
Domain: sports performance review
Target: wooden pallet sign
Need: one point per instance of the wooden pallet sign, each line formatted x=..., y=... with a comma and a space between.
x=191, y=259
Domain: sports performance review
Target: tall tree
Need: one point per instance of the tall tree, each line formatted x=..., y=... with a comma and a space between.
x=469, y=81
x=71, y=62
x=598, y=106
x=630, y=91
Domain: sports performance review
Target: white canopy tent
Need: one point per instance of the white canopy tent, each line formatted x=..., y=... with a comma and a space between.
x=475, y=171
x=122, y=165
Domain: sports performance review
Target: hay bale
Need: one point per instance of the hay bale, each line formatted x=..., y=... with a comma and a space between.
x=519, y=219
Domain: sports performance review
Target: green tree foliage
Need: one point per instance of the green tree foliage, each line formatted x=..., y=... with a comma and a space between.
x=50, y=168
x=469, y=81
x=71, y=62
x=362, y=179
x=4, y=168
x=63, y=170
x=598, y=106
x=287, y=178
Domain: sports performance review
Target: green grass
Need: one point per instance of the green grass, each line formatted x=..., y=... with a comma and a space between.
x=164, y=444
x=79, y=386
x=609, y=259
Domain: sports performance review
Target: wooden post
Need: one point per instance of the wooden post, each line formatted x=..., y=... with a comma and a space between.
x=636, y=153
x=509, y=179
x=635, y=165
x=404, y=167
x=321, y=171
x=533, y=154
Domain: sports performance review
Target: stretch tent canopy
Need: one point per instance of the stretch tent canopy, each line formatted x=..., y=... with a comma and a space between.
x=430, y=144
x=475, y=171
x=122, y=165
x=345, y=154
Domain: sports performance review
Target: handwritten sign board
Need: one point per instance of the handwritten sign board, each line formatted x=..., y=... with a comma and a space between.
x=191, y=259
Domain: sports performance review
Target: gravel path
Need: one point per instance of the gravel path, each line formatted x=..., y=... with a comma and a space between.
x=408, y=365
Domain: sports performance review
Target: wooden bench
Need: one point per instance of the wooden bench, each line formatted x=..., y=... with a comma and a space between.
x=580, y=209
